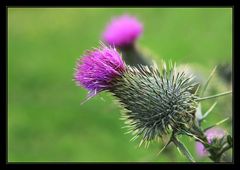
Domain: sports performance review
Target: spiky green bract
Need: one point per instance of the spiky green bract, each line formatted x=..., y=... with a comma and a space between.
x=156, y=101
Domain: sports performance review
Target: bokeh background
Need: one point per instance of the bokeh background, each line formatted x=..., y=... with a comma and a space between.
x=45, y=119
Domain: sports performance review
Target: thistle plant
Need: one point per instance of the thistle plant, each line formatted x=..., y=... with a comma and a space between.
x=123, y=32
x=156, y=102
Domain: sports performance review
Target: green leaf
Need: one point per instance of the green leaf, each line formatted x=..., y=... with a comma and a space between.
x=164, y=147
x=229, y=139
x=182, y=148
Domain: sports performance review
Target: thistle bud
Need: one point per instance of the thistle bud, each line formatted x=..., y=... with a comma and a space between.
x=156, y=103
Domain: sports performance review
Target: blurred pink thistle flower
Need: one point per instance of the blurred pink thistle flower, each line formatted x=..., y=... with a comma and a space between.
x=210, y=134
x=122, y=31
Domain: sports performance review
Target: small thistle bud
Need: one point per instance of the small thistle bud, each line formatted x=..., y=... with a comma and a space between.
x=211, y=134
x=122, y=31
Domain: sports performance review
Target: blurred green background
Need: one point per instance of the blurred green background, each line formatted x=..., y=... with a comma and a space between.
x=45, y=119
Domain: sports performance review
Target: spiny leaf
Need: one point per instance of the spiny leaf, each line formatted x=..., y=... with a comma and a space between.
x=170, y=140
x=183, y=149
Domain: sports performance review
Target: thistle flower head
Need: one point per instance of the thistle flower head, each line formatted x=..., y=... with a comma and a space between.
x=97, y=68
x=211, y=134
x=157, y=102
x=122, y=31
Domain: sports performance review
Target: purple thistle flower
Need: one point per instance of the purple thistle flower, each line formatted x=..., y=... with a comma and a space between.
x=97, y=68
x=211, y=134
x=122, y=31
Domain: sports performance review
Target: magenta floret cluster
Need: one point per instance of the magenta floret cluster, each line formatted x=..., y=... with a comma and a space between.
x=97, y=68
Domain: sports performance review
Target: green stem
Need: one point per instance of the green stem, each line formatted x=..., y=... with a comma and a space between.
x=214, y=96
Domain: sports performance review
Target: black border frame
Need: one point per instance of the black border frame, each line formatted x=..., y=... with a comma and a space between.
x=79, y=4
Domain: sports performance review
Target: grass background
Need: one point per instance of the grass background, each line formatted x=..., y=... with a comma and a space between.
x=45, y=119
